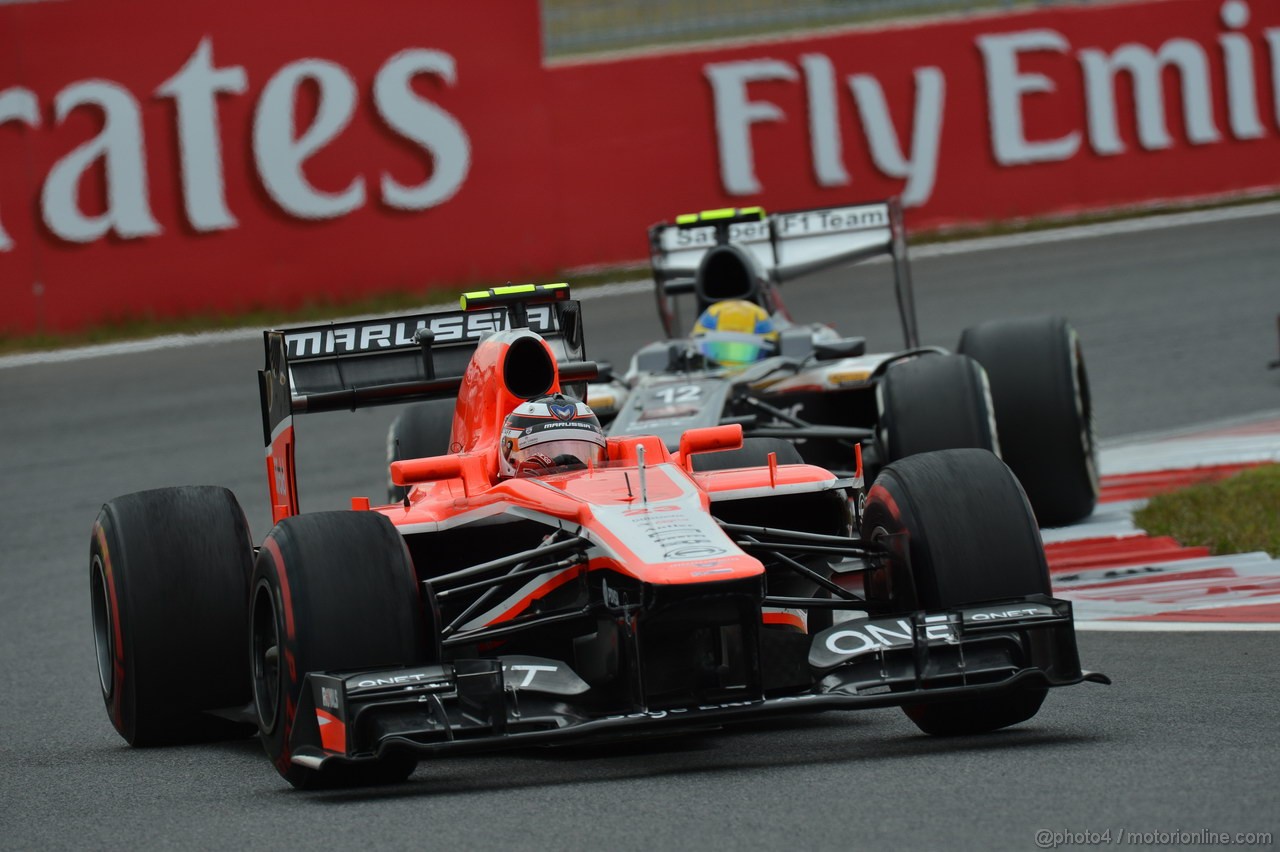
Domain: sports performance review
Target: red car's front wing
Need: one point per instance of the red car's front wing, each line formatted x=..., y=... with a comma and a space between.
x=516, y=701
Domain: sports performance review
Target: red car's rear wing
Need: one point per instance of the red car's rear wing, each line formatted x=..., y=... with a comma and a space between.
x=393, y=360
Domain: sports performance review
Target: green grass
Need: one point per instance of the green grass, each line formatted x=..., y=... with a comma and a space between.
x=1240, y=514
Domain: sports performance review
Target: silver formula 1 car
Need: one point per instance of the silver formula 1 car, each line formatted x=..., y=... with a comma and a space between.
x=1016, y=387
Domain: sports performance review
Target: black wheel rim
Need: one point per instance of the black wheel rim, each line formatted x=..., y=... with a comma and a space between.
x=104, y=642
x=264, y=646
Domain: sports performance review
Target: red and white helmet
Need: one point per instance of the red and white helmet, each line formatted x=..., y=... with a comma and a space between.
x=549, y=433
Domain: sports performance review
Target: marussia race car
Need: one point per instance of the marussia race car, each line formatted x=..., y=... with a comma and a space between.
x=653, y=591
x=1016, y=387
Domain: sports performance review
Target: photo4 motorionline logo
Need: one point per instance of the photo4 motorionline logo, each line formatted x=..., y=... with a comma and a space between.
x=1047, y=839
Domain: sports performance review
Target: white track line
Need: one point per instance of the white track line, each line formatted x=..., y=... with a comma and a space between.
x=624, y=288
x=182, y=341
x=129, y=347
x=1177, y=626
x=1100, y=229
x=1197, y=431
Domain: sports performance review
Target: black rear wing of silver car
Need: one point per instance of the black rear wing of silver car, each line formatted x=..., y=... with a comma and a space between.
x=782, y=247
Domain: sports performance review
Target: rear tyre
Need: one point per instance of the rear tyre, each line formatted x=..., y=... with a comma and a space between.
x=331, y=591
x=169, y=594
x=421, y=431
x=935, y=402
x=963, y=534
x=1043, y=410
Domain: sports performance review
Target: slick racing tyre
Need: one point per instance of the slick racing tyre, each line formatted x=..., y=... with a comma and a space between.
x=935, y=402
x=420, y=431
x=1043, y=411
x=169, y=593
x=962, y=533
x=331, y=591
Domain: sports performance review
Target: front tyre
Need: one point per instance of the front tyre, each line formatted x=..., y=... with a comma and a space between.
x=960, y=533
x=935, y=402
x=331, y=591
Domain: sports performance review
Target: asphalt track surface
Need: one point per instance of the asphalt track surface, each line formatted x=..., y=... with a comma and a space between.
x=1177, y=324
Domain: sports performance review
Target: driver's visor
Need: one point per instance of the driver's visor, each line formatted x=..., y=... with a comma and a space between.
x=734, y=349
x=559, y=453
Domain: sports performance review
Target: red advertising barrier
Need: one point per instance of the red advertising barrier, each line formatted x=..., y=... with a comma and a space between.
x=174, y=158
x=226, y=156
x=969, y=120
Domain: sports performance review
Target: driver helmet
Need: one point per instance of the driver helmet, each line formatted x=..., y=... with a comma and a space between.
x=547, y=434
x=735, y=333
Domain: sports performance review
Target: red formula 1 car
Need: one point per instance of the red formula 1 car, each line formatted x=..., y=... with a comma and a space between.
x=651, y=591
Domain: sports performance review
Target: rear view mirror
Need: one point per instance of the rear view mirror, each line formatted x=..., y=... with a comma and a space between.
x=469, y=468
x=845, y=347
x=414, y=471
x=709, y=439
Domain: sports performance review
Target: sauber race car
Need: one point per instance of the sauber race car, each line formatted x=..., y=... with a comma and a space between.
x=499, y=606
x=1016, y=387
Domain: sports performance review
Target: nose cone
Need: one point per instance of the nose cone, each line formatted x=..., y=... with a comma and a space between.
x=670, y=538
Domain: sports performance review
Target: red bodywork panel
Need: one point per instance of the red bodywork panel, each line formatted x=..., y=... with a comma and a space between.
x=654, y=526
